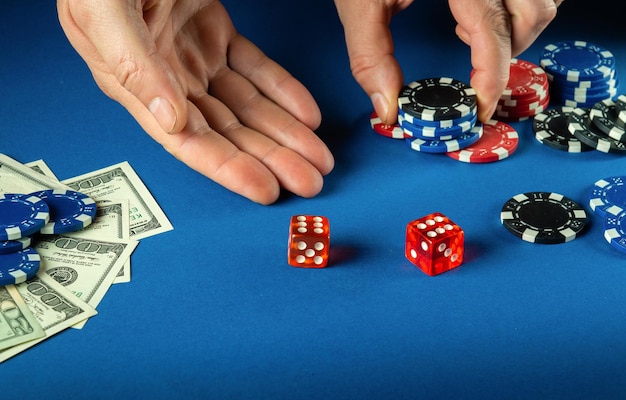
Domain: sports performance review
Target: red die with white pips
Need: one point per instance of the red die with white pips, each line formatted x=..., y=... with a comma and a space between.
x=309, y=241
x=434, y=244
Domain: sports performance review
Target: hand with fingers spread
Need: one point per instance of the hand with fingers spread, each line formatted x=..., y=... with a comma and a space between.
x=203, y=91
x=496, y=31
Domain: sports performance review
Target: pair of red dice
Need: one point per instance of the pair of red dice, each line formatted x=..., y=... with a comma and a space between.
x=434, y=243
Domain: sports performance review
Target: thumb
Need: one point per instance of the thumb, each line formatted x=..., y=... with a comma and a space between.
x=114, y=40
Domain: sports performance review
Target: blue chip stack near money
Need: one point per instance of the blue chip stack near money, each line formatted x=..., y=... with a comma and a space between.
x=581, y=74
x=24, y=215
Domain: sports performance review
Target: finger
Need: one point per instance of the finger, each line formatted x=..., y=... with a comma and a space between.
x=292, y=171
x=485, y=26
x=370, y=49
x=113, y=38
x=259, y=113
x=212, y=155
x=528, y=20
x=273, y=81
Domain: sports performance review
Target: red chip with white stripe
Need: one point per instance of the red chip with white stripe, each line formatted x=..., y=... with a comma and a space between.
x=392, y=131
x=499, y=141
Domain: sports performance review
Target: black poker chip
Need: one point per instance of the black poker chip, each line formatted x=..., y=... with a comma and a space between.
x=603, y=114
x=551, y=129
x=581, y=126
x=436, y=99
x=543, y=217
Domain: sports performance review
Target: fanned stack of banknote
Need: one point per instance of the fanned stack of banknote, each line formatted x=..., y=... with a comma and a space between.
x=77, y=269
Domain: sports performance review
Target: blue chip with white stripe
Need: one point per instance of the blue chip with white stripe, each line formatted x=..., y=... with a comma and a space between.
x=435, y=133
x=11, y=246
x=21, y=215
x=607, y=192
x=19, y=266
x=70, y=211
x=578, y=60
x=444, y=146
x=615, y=228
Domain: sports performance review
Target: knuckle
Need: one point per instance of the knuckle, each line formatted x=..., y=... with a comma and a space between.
x=128, y=73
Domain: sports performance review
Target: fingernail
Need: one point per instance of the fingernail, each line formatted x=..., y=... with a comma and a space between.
x=164, y=113
x=380, y=105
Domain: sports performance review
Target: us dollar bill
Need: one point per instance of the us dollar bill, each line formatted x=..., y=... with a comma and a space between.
x=112, y=221
x=17, y=323
x=120, y=181
x=54, y=307
x=15, y=177
x=42, y=167
x=84, y=266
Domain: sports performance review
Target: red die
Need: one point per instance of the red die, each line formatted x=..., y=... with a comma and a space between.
x=434, y=244
x=309, y=240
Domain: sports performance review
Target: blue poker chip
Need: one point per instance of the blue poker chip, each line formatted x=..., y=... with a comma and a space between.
x=19, y=266
x=444, y=123
x=69, y=210
x=445, y=146
x=11, y=246
x=607, y=192
x=577, y=61
x=21, y=215
x=615, y=228
x=433, y=133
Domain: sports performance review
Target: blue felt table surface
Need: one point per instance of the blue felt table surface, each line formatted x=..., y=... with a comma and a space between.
x=215, y=311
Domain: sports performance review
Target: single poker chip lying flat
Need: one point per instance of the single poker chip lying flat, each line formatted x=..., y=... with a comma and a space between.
x=615, y=228
x=577, y=60
x=69, y=210
x=604, y=115
x=444, y=146
x=583, y=129
x=607, y=192
x=19, y=266
x=21, y=215
x=392, y=131
x=498, y=142
x=543, y=217
x=551, y=129
x=436, y=99
x=11, y=246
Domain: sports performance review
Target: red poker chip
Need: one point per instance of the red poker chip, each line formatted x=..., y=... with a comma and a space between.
x=394, y=131
x=526, y=79
x=517, y=102
x=523, y=112
x=499, y=141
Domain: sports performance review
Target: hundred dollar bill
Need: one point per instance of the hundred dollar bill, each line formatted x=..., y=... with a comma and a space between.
x=84, y=266
x=112, y=221
x=17, y=323
x=54, y=307
x=41, y=167
x=120, y=181
x=18, y=178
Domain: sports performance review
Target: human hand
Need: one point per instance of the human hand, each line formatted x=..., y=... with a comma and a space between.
x=203, y=91
x=496, y=31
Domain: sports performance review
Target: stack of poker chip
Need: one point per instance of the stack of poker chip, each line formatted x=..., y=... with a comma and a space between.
x=22, y=216
x=600, y=127
x=580, y=73
x=526, y=93
x=438, y=115
x=607, y=200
